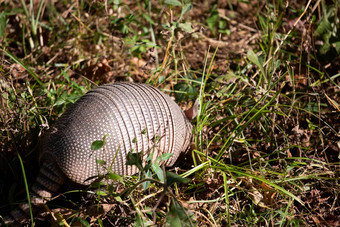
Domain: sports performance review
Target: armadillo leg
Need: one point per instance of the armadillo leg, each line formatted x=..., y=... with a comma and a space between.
x=49, y=180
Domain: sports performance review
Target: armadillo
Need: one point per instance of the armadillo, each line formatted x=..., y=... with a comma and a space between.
x=130, y=116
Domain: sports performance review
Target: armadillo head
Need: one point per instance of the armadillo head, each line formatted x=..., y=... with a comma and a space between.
x=183, y=135
x=188, y=135
x=190, y=114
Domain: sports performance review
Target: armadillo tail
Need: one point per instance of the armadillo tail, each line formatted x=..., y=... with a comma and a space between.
x=49, y=180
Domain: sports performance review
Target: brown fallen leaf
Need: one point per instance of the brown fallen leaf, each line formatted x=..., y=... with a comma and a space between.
x=333, y=102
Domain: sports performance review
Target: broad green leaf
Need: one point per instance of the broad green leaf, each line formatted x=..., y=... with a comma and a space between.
x=100, y=162
x=101, y=193
x=174, y=178
x=138, y=221
x=84, y=222
x=135, y=159
x=96, y=145
x=185, y=27
x=185, y=91
x=158, y=170
x=177, y=215
x=118, y=198
x=255, y=59
x=187, y=7
x=146, y=184
x=337, y=47
x=78, y=219
x=212, y=20
x=165, y=156
x=173, y=216
x=114, y=176
x=173, y=2
x=59, y=102
x=324, y=24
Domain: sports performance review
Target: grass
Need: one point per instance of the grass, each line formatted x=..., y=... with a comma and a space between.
x=266, y=137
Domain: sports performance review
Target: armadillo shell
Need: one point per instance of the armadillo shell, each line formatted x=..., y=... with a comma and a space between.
x=136, y=117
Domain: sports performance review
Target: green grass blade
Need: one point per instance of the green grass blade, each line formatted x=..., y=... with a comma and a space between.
x=27, y=189
x=24, y=66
